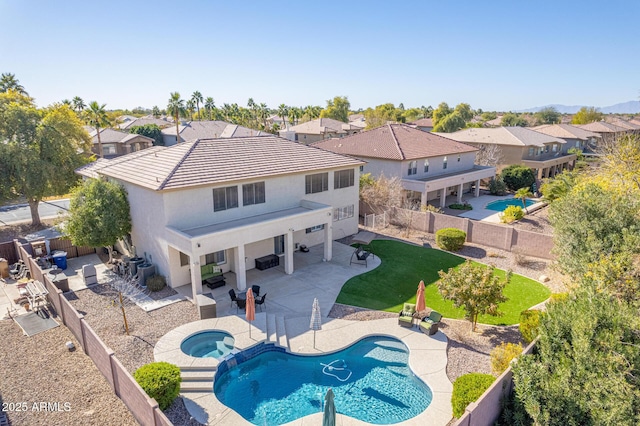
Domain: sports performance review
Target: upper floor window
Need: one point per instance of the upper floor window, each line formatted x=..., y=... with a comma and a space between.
x=362, y=168
x=541, y=150
x=546, y=148
x=343, y=179
x=253, y=193
x=413, y=168
x=577, y=144
x=225, y=198
x=109, y=149
x=444, y=163
x=426, y=166
x=554, y=147
x=532, y=152
x=340, y=213
x=316, y=183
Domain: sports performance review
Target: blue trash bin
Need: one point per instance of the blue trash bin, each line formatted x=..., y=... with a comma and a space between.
x=60, y=259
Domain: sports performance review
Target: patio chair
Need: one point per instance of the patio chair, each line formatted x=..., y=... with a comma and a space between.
x=260, y=301
x=18, y=270
x=429, y=325
x=256, y=290
x=361, y=256
x=405, y=318
x=241, y=304
x=234, y=298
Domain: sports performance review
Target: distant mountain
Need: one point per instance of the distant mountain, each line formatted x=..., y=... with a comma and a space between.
x=631, y=107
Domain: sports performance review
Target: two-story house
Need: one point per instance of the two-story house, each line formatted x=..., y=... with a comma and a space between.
x=319, y=129
x=232, y=201
x=430, y=166
x=546, y=155
x=116, y=143
x=575, y=137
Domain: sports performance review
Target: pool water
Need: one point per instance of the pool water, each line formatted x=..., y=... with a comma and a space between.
x=500, y=205
x=208, y=344
x=371, y=381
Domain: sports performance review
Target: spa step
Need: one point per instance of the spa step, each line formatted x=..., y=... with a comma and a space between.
x=271, y=328
x=281, y=332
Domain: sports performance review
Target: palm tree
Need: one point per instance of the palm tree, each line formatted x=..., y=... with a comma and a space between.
x=191, y=107
x=96, y=116
x=522, y=195
x=175, y=108
x=263, y=112
x=283, y=111
x=197, y=98
x=294, y=114
x=209, y=106
x=78, y=104
x=8, y=82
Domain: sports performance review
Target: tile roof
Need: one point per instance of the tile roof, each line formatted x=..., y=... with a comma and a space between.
x=515, y=136
x=394, y=142
x=214, y=161
x=423, y=122
x=144, y=121
x=321, y=125
x=210, y=129
x=629, y=125
x=602, y=127
x=115, y=136
x=565, y=131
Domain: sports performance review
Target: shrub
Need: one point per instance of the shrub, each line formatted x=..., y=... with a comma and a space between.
x=497, y=186
x=160, y=380
x=558, y=297
x=520, y=258
x=450, y=239
x=511, y=214
x=458, y=206
x=516, y=177
x=156, y=282
x=430, y=208
x=468, y=388
x=502, y=355
x=529, y=324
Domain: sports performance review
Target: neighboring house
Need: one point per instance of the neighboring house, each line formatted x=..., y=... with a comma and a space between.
x=546, y=155
x=320, y=129
x=142, y=121
x=232, y=201
x=607, y=131
x=358, y=120
x=576, y=137
x=430, y=166
x=424, y=124
x=206, y=129
x=116, y=143
x=631, y=127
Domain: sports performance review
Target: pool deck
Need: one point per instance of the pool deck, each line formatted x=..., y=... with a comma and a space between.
x=427, y=359
x=479, y=211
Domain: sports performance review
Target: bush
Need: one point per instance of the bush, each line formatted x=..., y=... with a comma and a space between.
x=516, y=177
x=450, y=239
x=502, y=355
x=497, y=186
x=161, y=381
x=156, y=282
x=558, y=297
x=529, y=324
x=513, y=412
x=511, y=214
x=468, y=388
x=464, y=206
x=430, y=208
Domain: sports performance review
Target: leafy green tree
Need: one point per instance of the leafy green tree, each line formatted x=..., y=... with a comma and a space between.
x=511, y=119
x=558, y=186
x=522, y=194
x=98, y=215
x=78, y=104
x=155, y=111
x=337, y=108
x=439, y=113
x=487, y=116
x=151, y=131
x=465, y=111
x=411, y=114
x=516, y=177
x=450, y=123
x=8, y=82
x=176, y=108
x=197, y=98
x=586, y=364
x=427, y=112
x=586, y=115
x=381, y=115
x=548, y=115
x=42, y=149
x=96, y=116
x=474, y=288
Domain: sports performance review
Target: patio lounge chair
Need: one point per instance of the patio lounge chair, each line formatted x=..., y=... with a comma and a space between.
x=405, y=318
x=429, y=325
x=361, y=256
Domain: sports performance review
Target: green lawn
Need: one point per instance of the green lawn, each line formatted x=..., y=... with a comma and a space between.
x=396, y=280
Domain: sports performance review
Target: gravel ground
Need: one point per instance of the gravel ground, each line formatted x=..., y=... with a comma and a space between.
x=40, y=369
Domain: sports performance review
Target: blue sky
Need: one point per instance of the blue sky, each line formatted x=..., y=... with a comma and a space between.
x=494, y=55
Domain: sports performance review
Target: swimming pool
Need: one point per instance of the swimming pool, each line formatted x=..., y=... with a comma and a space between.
x=371, y=381
x=208, y=344
x=500, y=205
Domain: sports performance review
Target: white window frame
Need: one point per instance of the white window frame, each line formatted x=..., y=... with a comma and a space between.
x=413, y=168
x=444, y=163
x=426, y=165
x=217, y=258
x=342, y=213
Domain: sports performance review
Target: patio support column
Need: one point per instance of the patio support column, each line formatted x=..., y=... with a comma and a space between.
x=328, y=241
x=423, y=198
x=443, y=197
x=241, y=270
x=288, y=253
x=460, y=188
x=196, y=277
x=477, y=191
